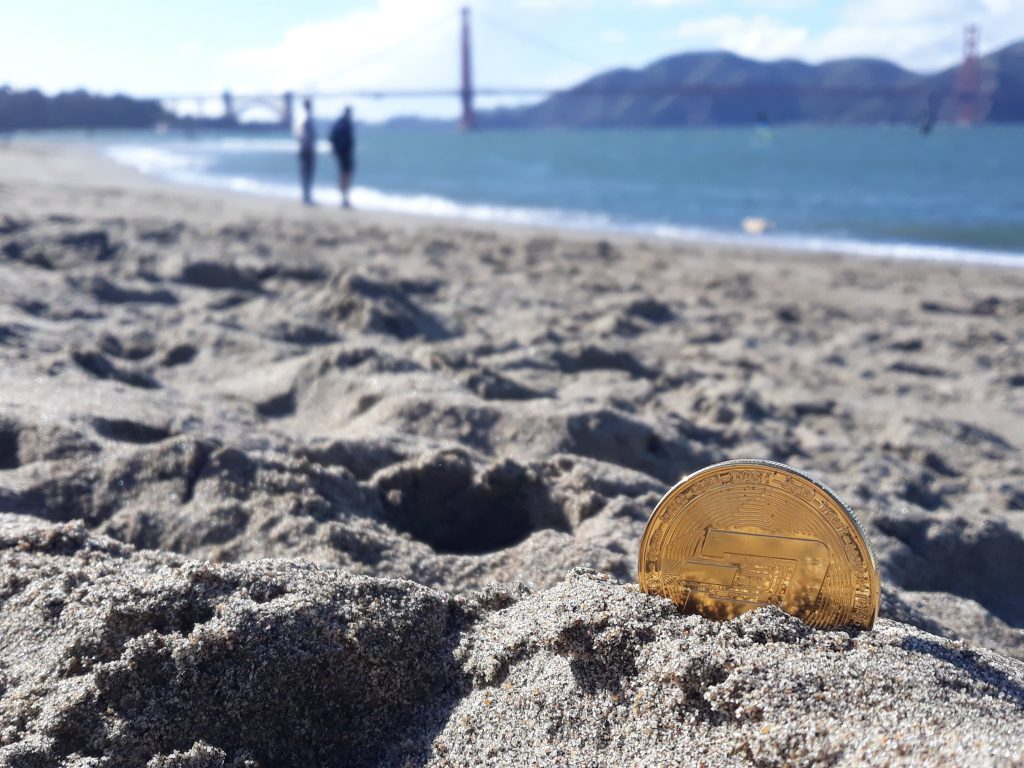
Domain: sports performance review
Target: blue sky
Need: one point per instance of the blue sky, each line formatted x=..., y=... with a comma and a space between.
x=162, y=47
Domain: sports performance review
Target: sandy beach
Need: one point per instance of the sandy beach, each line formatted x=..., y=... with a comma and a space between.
x=286, y=486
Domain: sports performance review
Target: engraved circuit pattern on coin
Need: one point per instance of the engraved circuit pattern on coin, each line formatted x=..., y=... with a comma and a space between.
x=742, y=534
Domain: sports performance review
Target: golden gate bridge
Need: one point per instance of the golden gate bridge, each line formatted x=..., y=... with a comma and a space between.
x=966, y=91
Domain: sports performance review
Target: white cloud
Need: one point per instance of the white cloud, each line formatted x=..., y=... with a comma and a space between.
x=554, y=4
x=922, y=34
x=779, y=5
x=670, y=3
x=189, y=49
x=771, y=5
x=759, y=37
x=329, y=54
x=1001, y=7
x=404, y=45
x=922, y=46
x=407, y=44
x=883, y=12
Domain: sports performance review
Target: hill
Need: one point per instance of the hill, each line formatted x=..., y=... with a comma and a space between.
x=20, y=110
x=721, y=88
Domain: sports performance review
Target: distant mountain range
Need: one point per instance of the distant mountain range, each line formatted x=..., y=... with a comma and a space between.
x=719, y=88
x=690, y=89
x=33, y=110
x=76, y=109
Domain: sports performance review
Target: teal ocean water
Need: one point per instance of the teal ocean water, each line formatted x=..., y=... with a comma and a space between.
x=957, y=193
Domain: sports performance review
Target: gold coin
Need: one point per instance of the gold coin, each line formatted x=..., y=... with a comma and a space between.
x=742, y=534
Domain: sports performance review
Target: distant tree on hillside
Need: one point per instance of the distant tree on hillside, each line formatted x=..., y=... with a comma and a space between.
x=21, y=110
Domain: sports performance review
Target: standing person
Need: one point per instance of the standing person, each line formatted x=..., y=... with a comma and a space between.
x=307, y=152
x=344, y=142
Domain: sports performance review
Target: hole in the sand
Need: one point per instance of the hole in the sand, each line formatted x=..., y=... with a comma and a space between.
x=101, y=367
x=366, y=402
x=278, y=406
x=94, y=243
x=32, y=307
x=217, y=275
x=137, y=347
x=8, y=446
x=127, y=431
x=9, y=226
x=168, y=235
x=13, y=250
x=594, y=358
x=13, y=333
x=229, y=301
x=651, y=310
x=179, y=355
x=655, y=446
x=921, y=492
x=301, y=333
x=185, y=620
x=305, y=274
x=265, y=592
x=491, y=385
x=112, y=293
x=442, y=504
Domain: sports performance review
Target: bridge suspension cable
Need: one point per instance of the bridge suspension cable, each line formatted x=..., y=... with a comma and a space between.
x=418, y=36
x=466, y=91
x=537, y=42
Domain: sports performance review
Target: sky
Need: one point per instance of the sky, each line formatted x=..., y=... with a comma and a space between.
x=159, y=47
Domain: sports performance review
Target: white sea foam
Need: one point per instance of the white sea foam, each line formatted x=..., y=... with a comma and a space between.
x=240, y=145
x=189, y=163
x=157, y=160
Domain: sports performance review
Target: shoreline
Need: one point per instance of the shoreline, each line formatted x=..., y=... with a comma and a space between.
x=582, y=223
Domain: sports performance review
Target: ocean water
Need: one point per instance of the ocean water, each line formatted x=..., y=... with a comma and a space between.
x=955, y=194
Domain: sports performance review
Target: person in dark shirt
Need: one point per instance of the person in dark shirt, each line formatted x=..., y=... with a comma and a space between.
x=307, y=152
x=344, y=143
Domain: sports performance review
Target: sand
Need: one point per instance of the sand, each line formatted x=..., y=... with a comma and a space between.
x=283, y=486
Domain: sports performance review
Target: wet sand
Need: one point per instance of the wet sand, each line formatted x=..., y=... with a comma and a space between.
x=194, y=382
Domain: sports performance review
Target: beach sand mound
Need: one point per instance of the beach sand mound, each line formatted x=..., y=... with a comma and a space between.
x=432, y=403
x=261, y=466
x=116, y=657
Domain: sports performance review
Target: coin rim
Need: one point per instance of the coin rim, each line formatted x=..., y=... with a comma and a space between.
x=873, y=577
